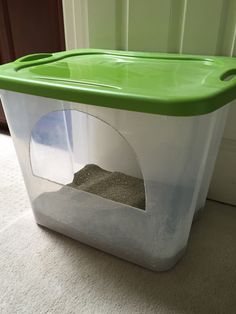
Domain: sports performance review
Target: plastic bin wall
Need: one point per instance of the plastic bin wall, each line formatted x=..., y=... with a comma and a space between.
x=169, y=153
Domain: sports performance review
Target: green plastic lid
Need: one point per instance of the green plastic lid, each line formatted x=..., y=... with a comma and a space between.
x=168, y=84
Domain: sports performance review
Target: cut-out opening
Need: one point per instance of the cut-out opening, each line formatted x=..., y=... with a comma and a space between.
x=82, y=152
x=229, y=75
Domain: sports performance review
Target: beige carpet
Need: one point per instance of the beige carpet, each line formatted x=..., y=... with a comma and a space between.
x=44, y=272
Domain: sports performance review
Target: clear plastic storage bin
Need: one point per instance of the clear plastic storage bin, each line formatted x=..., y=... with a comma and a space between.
x=117, y=148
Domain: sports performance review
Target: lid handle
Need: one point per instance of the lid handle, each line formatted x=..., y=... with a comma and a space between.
x=228, y=75
x=35, y=57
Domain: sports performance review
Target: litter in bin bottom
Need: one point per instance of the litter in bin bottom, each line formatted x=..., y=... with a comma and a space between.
x=115, y=186
x=159, y=265
x=109, y=225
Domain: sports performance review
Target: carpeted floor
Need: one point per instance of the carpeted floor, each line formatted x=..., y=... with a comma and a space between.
x=44, y=272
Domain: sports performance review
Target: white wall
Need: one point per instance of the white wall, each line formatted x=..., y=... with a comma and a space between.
x=184, y=26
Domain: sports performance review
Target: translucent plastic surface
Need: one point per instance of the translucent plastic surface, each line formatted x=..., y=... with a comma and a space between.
x=55, y=139
x=75, y=139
